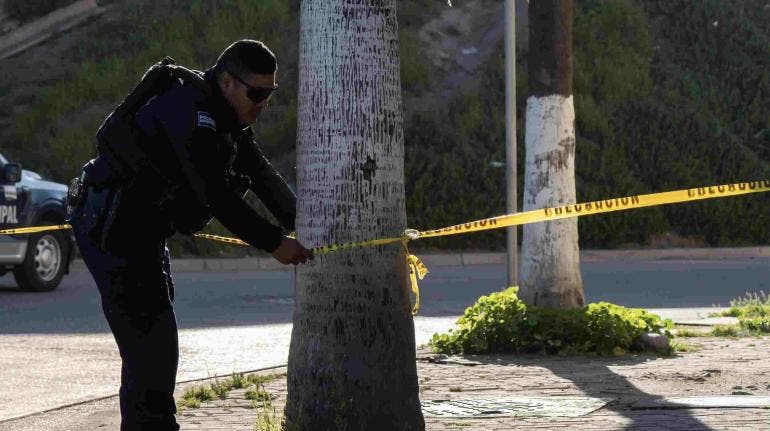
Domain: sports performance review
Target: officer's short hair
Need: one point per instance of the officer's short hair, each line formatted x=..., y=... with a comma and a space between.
x=246, y=57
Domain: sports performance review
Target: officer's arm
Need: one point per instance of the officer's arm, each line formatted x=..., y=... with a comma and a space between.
x=226, y=205
x=245, y=223
x=198, y=147
x=266, y=183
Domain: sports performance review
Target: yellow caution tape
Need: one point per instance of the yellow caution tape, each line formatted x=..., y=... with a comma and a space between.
x=228, y=240
x=348, y=245
x=34, y=229
x=603, y=206
x=533, y=216
x=550, y=214
x=417, y=269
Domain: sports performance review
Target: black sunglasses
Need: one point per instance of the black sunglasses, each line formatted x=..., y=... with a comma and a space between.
x=255, y=94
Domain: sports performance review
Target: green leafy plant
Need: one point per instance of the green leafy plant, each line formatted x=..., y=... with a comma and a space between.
x=501, y=322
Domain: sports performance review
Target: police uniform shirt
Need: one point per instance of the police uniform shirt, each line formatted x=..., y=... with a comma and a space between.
x=198, y=135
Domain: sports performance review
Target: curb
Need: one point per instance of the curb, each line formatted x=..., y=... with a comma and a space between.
x=178, y=386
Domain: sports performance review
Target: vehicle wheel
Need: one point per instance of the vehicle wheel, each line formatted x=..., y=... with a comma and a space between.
x=44, y=263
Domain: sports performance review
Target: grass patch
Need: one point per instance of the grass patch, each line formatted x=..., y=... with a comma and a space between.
x=756, y=325
x=238, y=380
x=751, y=305
x=729, y=331
x=690, y=333
x=268, y=417
x=745, y=329
x=752, y=312
x=258, y=379
x=257, y=394
x=221, y=389
x=681, y=347
x=194, y=396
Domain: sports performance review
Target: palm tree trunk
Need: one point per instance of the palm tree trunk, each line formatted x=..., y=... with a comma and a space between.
x=352, y=356
x=550, y=263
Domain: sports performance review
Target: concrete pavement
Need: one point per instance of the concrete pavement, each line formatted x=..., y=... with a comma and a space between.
x=719, y=367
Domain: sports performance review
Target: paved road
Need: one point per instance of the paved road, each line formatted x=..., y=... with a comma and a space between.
x=55, y=347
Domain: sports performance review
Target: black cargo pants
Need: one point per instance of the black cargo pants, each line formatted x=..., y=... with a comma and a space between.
x=133, y=275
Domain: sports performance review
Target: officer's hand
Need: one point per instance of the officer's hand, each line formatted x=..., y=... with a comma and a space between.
x=291, y=252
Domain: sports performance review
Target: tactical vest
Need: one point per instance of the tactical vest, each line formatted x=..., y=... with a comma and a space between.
x=121, y=143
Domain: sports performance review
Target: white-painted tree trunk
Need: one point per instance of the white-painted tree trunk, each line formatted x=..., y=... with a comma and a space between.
x=550, y=263
x=352, y=356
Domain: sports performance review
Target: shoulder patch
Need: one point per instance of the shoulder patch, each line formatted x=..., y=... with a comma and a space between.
x=205, y=120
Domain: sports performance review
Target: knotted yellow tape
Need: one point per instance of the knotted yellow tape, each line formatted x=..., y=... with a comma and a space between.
x=416, y=270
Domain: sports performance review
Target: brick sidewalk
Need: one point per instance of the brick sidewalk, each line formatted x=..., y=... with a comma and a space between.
x=720, y=367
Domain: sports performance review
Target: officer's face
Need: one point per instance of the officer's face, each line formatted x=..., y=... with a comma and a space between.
x=240, y=91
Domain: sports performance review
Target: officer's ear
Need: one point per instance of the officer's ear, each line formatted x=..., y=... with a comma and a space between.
x=226, y=82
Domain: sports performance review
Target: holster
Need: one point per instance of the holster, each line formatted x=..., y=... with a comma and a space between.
x=92, y=207
x=74, y=197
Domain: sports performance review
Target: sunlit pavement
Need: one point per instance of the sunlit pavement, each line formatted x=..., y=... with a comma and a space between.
x=209, y=352
x=45, y=371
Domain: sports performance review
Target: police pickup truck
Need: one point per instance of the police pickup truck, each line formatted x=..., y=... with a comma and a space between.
x=39, y=260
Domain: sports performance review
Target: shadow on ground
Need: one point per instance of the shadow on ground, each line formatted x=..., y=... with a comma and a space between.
x=594, y=377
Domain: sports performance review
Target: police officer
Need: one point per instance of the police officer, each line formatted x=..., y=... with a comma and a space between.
x=176, y=152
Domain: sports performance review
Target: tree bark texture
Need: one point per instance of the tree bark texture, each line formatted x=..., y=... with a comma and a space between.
x=550, y=53
x=549, y=274
x=352, y=355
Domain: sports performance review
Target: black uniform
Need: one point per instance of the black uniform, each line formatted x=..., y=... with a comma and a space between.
x=200, y=161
